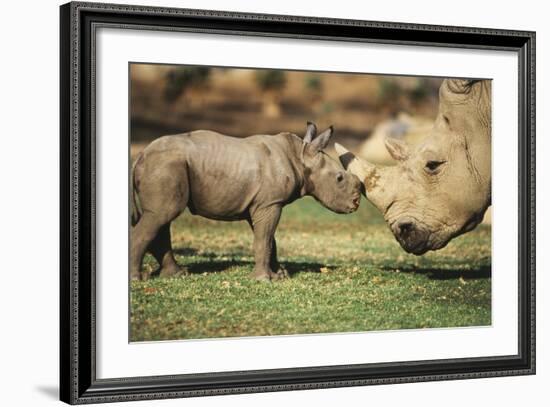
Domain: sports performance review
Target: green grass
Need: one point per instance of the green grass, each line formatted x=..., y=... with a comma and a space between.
x=348, y=274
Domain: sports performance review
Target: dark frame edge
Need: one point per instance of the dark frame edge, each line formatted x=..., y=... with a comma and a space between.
x=76, y=373
x=254, y=24
x=77, y=379
x=130, y=389
x=527, y=200
x=65, y=359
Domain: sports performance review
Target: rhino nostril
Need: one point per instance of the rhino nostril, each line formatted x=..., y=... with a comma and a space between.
x=405, y=227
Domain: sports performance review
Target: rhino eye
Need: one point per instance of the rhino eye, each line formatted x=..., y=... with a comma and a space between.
x=433, y=165
x=340, y=177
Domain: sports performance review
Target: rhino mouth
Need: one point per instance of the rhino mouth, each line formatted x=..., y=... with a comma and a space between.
x=422, y=245
x=412, y=235
x=356, y=200
x=417, y=249
x=343, y=206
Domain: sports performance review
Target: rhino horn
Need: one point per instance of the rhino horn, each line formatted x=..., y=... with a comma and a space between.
x=360, y=168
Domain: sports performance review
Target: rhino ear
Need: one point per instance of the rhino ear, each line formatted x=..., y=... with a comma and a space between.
x=397, y=149
x=460, y=85
x=321, y=141
x=311, y=132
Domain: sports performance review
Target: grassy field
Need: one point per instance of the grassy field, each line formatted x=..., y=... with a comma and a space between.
x=348, y=274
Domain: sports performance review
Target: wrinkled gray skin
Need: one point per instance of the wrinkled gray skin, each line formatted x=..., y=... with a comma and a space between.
x=226, y=178
x=442, y=188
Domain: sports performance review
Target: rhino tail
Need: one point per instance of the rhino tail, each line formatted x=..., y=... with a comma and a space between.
x=134, y=198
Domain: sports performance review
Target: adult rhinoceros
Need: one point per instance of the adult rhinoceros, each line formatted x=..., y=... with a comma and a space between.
x=442, y=188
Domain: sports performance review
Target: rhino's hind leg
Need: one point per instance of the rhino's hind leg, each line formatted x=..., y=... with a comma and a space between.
x=163, y=193
x=141, y=235
x=161, y=248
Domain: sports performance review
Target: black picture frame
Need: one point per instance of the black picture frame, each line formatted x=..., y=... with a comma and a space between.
x=78, y=382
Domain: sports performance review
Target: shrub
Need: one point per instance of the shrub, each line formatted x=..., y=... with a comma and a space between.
x=179, y=79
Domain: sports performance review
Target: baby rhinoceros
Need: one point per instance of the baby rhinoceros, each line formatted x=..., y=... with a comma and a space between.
x=226, y=178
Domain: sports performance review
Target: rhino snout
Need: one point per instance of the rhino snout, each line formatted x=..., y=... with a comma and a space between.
x=411, y=235
x=355, y=202
x=356, y=194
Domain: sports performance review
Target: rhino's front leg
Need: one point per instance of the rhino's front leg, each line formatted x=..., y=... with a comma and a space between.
x=274, y=262
x=264, y=222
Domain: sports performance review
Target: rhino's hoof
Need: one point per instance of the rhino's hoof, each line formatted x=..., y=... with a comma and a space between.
x=281, y=274
x=269, y=275
x=135, y=277
x=173, y=272
x=261, y=276
x=182, y=272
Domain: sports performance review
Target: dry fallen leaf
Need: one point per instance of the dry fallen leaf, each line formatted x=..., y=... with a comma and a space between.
x=324, y=270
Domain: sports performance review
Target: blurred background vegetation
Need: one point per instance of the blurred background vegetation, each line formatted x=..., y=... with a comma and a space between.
x=167, y=99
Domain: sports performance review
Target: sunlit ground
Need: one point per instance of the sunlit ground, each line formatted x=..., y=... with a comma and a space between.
x=348, y=274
